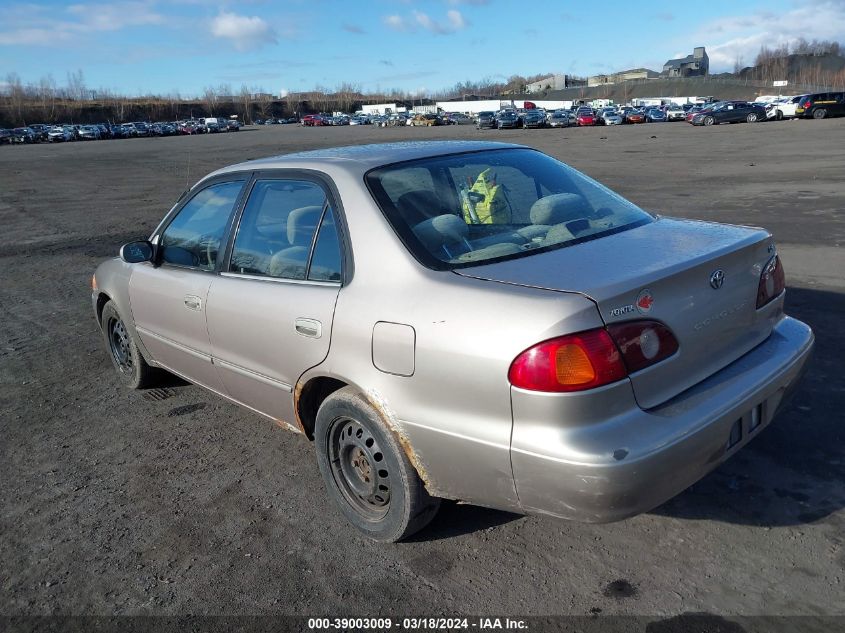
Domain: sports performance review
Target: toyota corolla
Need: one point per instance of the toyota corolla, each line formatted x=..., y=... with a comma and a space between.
x=461, y=320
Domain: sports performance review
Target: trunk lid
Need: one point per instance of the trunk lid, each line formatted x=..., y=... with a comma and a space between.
x=663, y=271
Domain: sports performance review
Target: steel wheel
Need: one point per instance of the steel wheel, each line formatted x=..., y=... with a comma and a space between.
x=359, y=468
x=120, y=346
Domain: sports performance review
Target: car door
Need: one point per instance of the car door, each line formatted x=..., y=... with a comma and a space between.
x=270, y=312
x=168, y=297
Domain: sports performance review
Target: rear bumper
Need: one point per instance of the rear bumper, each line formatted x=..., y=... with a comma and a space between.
x=619, y=460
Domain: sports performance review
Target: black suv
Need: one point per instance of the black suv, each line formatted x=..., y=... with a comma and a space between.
x=821, y=105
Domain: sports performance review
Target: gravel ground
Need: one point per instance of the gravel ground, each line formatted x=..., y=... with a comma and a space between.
x=175, y=502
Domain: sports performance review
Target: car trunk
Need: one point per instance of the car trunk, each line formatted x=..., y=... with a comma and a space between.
x=662, y=271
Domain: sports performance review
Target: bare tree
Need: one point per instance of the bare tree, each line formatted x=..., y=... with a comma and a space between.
x=209, y=97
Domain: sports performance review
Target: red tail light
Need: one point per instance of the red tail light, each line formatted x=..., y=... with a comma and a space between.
x=591, y=359
x=569, y=363
x=772, y=282
x=643, y=343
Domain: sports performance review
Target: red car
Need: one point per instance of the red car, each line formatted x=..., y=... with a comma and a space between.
x=585, y=117
x=635, y=117
x=312, y=120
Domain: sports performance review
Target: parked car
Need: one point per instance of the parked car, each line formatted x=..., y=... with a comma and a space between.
x=426, y=120
x=620, y=368
x=89, y=133
x=233, y=125
x=458, y=118
x=60, y=134
x=534, y=118
x=655, y=115
x=729, y=112
x=675, y=113
x=40, y=130
x=508, y=119
x=23, y=135
x=611, y=117
x=559, y=118
x=634, y=116
x=5, y=136
x=485, y=120
x=313, y=120
x=585, y=116
x=786, y=107
x=821, y=105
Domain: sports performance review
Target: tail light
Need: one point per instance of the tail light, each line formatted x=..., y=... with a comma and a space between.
x=772, y=282
x=569, y=363
x=587, y=360
x=643, y=343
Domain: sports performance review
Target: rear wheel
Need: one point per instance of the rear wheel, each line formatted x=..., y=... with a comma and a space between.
x=133, y=370
x=820, y=113
x=366, y=472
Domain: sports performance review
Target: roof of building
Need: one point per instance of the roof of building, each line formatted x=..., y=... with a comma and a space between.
x=676, y=63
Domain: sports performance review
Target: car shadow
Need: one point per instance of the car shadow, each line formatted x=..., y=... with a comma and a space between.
x=804, y=441
x=457, y=519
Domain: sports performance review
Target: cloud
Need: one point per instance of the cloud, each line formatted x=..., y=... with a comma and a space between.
x=741, y=36
x=385, y=62
x=353, y=28
x=395, y=22
x=244, y=33
x=475, y=3
x=455, y=22
x=32, y=27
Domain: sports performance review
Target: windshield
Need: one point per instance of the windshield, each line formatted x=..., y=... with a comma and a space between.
x=466, y=209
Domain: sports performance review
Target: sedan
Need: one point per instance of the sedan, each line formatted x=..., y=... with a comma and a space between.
x=634, y=116
x=655, y=115
x=534, y=118
x=486, y=120
x=611, y=118
x=540, y=345
x=559, y=119
x=730, y=112
x=508, y=119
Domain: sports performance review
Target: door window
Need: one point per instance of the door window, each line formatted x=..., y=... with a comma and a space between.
x=276, y=235
x=193, y=237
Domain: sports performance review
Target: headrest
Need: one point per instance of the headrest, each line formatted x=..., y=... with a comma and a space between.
x=289, y=263
x=557, y=208
x=301, y=225
x=441, y=230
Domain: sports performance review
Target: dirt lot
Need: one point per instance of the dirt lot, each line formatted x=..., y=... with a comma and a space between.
x=175, y=502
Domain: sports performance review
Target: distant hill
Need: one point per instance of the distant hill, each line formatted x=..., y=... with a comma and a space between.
x=802, y=69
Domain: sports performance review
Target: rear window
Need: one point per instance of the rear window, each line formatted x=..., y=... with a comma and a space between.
x=467, y=209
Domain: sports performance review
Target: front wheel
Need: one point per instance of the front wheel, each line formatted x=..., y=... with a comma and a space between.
x=751, y=118
x=709, y=120
x=366, y=472
x=820, y=113
x=133, y=370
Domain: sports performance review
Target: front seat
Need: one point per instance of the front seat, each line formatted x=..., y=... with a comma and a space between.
x=418, y=206
x=291, y=262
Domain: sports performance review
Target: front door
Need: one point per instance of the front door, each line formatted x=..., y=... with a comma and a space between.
x=270, y=312
x=169, y=299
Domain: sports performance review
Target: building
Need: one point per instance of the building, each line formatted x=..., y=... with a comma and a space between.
x=623, y=75
x=695, y=65
x=553, y=82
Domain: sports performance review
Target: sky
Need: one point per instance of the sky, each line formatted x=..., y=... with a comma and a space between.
x=137, y=47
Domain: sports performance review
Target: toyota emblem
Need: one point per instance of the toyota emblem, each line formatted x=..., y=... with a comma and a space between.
x=717, y=279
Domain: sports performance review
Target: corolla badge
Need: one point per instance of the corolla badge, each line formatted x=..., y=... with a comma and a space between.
x=644, y=301
x=717, y=279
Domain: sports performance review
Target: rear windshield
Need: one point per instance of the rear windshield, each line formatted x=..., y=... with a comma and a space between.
x=467, y=209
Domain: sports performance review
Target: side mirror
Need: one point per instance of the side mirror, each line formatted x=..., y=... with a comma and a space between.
x=137, y=252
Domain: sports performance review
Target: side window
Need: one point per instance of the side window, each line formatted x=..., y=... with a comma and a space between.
x=325, y=262
x=193, y=237
x=277, y=228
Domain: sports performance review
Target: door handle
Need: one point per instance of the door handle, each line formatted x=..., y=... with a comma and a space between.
x=311, y=328
x=192, y=302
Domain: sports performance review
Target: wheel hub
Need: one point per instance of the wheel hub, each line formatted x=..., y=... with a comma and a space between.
x=359, y=468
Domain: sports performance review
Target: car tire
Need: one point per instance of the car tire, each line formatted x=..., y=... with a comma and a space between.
x=366, y=472
x=709, y=120
x=133, y=370
x=751, y=118
x=819, y=113
x=779, y=116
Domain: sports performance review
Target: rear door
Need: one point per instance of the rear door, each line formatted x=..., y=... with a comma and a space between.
x=169, y=299
x=270, y=311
